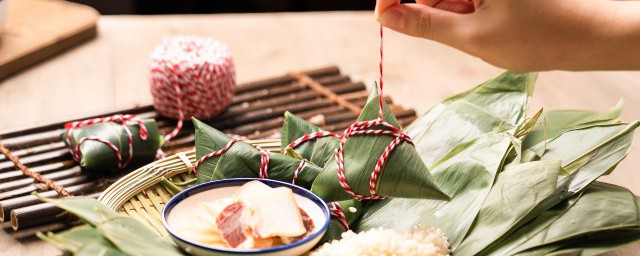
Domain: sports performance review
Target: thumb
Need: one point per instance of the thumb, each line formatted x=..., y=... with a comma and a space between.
x=423, y=21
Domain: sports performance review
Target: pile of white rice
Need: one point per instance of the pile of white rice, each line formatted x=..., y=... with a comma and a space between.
x=419, y=242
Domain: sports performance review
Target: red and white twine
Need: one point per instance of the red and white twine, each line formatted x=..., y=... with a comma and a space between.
x=264, y=158
x=198, y=67
x=308, y=137
x=338, y=213
x=295, y=174
x=124, y=120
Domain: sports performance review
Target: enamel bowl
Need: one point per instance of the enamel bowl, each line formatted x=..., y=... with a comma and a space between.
x=182, y=204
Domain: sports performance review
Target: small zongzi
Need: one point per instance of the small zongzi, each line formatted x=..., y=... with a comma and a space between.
x=111, y=144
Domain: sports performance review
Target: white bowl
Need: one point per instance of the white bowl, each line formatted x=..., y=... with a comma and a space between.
x=182, y=204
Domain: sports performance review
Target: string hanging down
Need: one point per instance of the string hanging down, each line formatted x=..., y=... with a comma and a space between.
x=380, y=83
x=361, y=128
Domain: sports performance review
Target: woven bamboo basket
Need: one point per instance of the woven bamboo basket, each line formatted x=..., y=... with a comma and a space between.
x=140, y=194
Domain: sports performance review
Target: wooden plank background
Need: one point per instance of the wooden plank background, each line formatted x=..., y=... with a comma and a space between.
x=110, y=72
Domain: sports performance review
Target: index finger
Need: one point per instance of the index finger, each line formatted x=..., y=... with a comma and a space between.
x=383, y=5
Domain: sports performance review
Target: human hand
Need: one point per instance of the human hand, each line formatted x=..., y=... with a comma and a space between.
x=526, y=35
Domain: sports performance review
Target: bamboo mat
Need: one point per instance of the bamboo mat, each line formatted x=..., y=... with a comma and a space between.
x=256, y=112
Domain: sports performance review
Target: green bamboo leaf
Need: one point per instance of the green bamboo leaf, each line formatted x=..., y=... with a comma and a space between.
x=467, y=173
x=318, y=151
x=98, y=156
x=133, y=238
x=540, y=251
x=517, y=192
x=601, y=207
x=592, y=244
x=605, y=146
x=98, y=249
x=87, y=209
x=243, y=160
x=506, y=96
x=553, y=123
x=293, y=154
x=125, y=233
x=403, y=175
x=526, y=127
x=498, y=104
x=597, y=243
x=83, y=240
x=373, y=92
x=74, y=239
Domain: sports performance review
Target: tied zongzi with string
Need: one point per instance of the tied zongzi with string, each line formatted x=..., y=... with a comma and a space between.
x=220, y=157
x=113, y=142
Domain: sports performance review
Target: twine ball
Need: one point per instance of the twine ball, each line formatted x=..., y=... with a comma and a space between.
x=202, y=70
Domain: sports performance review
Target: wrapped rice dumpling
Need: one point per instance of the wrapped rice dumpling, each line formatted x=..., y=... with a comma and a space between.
x=99, y=156
x=242, y=160
x=402, y=175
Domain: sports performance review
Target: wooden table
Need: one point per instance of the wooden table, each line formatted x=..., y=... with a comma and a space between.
x=111, y=71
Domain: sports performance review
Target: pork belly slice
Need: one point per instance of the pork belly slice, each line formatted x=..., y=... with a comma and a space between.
x=230, y=226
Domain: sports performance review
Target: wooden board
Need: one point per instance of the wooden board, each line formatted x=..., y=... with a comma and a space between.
x=37, y=29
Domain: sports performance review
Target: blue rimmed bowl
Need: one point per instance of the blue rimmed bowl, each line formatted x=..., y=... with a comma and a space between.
x=184, y=202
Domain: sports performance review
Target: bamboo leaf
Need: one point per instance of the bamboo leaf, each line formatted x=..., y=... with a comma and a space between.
x=593, y=244
x=498, y=104
x=602, y=207
x=133, y=238
x=86, y=209
x=317, y=151
x=597, y=243
x=373, y=92
x=526, y=127
x=467, y=173
x=293, y=154
x=98, y=249
x=403, y=175
x=83, y=240
x=605, y=146
x=98, y=156
x=127, y=234
x=560, y=121
x=73, y=239
x=517, y=193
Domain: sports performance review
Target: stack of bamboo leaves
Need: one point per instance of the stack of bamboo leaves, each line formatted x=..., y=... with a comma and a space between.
x=517, y=185
x=494, y=181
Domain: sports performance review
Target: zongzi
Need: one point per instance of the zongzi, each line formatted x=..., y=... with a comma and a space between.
x=113, y=142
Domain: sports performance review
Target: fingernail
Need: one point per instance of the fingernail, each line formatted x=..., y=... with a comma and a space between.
x=393, y=19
